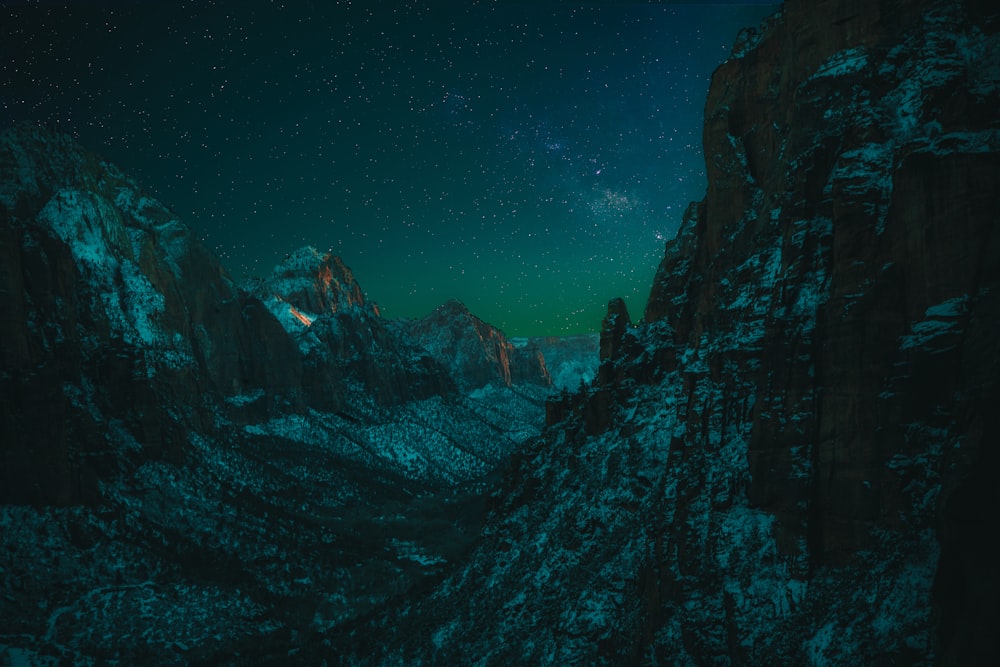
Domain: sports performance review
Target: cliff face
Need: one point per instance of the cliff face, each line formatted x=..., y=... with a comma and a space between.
x=863, y=144
x=478, y=352
x=111, y=308
x=853, y=169
x=344, y=342
x=788, y=462
x=344, y=339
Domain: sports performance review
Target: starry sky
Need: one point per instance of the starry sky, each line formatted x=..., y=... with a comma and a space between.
x=529, y=158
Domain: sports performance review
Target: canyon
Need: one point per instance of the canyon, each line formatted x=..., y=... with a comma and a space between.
x=786, y=459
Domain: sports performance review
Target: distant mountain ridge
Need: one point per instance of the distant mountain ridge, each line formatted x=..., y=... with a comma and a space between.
x=319, y=303
x=570, y=360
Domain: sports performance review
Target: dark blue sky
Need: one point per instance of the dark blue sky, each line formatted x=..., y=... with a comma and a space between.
x=528, y=158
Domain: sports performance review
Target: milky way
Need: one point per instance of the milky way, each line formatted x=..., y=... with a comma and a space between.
x=527, y=158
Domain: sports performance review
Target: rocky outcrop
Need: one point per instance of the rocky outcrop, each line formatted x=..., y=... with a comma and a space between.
x=571, y=360
x=478, y=353
x=853, y=175
x=314, y=283
x=345, y=343
x=788, y=462
x=116, y=312
x=344, y=339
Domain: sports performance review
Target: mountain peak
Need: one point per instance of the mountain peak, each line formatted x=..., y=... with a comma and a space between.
x=309, y=283
x=453, y=306
x=480, y=351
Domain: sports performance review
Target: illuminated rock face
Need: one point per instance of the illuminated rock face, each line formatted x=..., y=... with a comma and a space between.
x=344, y=343
x=344, y=339
x=477, y=352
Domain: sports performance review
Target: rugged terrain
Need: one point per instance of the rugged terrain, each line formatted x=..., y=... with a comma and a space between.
x=787, y=461
x=570, y=360
x=188, y=464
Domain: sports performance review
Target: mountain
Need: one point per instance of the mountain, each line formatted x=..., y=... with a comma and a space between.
x=319, y=303
x=479, y=353
x=114, y=309
x=188, y=465
x=570, y=360
x=789, y=460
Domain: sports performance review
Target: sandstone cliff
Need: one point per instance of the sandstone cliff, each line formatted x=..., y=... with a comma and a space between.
x=477, y=352
x=343, y=339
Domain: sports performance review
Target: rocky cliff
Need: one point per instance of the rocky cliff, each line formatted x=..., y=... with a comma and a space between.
x=788, y=461
x=477, y=352
x=343, y=339
x=570, y=360
x=111, y=308
x=320, y=304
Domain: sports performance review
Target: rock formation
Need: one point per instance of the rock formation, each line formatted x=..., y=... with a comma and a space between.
x=115, y=309
x=343, y=338
x=476, y=351
x=571, y=360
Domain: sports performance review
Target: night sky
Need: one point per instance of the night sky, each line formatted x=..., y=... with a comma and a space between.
x=528, y=158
